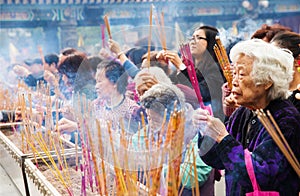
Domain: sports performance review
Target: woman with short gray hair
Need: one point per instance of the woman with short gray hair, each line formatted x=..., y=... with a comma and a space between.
x=261, y=77
x=279, y=74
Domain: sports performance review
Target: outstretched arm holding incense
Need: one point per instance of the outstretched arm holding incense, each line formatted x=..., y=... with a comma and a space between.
x=130, y=68
x=114, y=46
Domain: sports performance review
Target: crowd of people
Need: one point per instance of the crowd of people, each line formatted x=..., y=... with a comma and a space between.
x=135, y=83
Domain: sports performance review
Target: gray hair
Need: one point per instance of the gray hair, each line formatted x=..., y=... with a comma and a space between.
x=271, y=64
x=163, y=95
x=159, y=74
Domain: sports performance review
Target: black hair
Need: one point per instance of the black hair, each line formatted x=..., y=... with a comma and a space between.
x=136, y=54
x=288, y=40
x=210, y=33
x=70, y=65
x=52, y=58
x=115, y=73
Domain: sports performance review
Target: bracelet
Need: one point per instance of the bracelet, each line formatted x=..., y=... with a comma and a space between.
x=119, y=54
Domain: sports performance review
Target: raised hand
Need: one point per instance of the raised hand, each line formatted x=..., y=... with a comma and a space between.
x=209, y=125
x=114, y=46
x=144, y=82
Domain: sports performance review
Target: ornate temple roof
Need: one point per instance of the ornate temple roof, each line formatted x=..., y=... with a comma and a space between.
x=31, y=13
x=72, y=2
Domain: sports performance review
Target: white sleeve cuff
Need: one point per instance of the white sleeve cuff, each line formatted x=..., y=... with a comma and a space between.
x=182, y=67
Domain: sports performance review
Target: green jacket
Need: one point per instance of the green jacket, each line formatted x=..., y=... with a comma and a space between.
x=187, y=167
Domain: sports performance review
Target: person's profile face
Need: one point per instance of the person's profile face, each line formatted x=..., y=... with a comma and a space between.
x=198, y=42
x=244, y=90
x=104, y=87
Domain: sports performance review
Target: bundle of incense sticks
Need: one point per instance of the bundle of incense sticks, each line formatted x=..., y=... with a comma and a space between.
x=273, y=129
x=107, y=25
x=188, y=61
x=223, y=60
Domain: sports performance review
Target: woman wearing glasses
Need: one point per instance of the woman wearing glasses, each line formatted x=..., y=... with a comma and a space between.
x=209, y=74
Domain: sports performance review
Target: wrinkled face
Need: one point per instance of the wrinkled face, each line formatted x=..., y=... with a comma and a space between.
x=104, y=88
x=198, y=43
x=244, y=89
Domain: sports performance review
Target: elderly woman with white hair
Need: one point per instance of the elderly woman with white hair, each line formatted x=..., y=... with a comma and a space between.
x=261, y=77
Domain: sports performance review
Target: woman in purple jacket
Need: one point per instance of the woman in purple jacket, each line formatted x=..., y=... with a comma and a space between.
x=261, y=77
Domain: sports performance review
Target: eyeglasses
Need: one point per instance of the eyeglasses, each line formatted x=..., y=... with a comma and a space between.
x=197, y=38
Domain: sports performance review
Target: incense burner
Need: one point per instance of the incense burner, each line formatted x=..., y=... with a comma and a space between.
x=13, y=159
x=37, y=182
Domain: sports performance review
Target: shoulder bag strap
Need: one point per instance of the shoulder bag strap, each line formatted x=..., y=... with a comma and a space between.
x=250, y=170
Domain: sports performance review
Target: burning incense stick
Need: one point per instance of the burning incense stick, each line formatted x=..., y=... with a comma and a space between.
x=88, y=148
x=150, y=36
x=100, y=147
x=161, y=29
x=163, y=35
x=22, y=139
x=76, y=151
x=162, y=131
x=195, y=174
x=94, y=161
x=107, y=25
